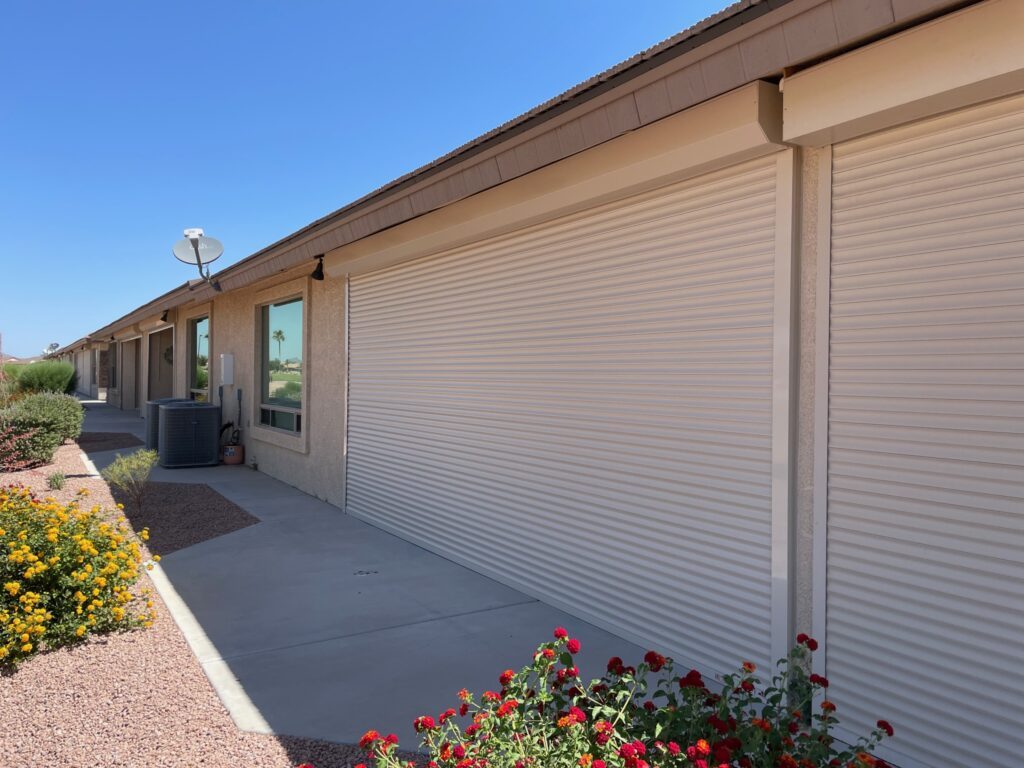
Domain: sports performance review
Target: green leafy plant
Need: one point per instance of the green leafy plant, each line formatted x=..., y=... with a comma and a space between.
x=55, y=481
x=130, y=475
x=545, y=716
x=65, y=574
x=54, y=412
x=48, y=376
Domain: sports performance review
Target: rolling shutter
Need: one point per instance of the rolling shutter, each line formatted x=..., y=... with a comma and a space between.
x=582, y=410
x=925, y=543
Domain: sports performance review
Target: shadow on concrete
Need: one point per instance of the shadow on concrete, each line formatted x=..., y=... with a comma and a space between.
x=332, y=626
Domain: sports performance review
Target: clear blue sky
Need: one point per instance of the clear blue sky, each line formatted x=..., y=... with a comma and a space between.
x=121, y=123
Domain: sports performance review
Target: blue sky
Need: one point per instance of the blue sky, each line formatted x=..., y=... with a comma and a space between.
x=121, y=123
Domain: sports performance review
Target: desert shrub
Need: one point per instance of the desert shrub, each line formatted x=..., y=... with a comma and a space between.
x=65, y=574
x=544, y=716
x=24, y=442
x=48, y=376
x=9, y=391
x=12, y=447
x=130, y=474
x=55, y=481
x=59, y=413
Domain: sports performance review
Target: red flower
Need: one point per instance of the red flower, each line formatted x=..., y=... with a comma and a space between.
x=884, y=725
x=598, y=764
x=577, y=714
x=828, y=706
x=506, y=677
x=491, y=696
x=654, y=660
x=369, y=739
x=650, y=706
x=548, y=653
x=615, y=665
x=507, y=708
x=747, y=686
x=802, y=638
x=560, y=633
x=572, y=645
x=463, y=709
x=812, y=644
x=425, y=723
x=693, y=679
x=818, y=680
x=459, y=751
x=749, y=666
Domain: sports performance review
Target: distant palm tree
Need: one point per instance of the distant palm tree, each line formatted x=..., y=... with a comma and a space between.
x=278, y=336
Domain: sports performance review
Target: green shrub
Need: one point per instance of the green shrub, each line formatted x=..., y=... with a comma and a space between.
x=48, y=376
x=25, y=443
x=55, y=481
x=59, y=413
x=130, y=474
x=65, y=574
x=13, y=370
x=637, y=717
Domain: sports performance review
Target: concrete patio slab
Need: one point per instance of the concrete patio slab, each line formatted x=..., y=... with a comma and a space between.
x=317, y=624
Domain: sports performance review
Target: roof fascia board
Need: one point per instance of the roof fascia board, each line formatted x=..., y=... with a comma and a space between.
x=954, y=61
x=737, y=126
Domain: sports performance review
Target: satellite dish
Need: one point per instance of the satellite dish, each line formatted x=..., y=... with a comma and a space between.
x=198, y=250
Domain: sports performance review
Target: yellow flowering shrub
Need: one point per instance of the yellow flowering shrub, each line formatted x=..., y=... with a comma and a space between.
x=65, y=573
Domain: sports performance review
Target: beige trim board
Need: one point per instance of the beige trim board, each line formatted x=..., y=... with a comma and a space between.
x=965, y=58
x=738, y=126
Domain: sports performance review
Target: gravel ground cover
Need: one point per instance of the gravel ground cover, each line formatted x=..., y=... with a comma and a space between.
x=93, y=442
x=131, y=700
x=179, y=515
x=68, y=460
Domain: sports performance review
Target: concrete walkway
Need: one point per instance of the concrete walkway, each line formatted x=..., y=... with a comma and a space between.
x=332, y=626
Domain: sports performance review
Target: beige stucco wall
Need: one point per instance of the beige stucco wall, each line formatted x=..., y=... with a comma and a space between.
x=314, y=464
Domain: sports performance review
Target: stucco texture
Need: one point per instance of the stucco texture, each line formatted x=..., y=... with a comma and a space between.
x=314, y=463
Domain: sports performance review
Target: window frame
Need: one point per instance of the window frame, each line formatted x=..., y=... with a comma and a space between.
x=294, y=440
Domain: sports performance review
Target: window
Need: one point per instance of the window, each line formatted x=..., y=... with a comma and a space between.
x=199, y=359
x=282, y=365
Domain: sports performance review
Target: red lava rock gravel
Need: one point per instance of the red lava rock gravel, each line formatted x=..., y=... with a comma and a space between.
x=179, y=515
x=131, y=700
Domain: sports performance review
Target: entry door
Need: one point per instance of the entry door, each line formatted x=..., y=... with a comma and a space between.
x=925, y=545
x=161, y=364
x=130, y=376
x=583, y=410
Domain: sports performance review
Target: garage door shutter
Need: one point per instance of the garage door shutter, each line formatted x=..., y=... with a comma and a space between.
x=925, y=619
x=583, y=410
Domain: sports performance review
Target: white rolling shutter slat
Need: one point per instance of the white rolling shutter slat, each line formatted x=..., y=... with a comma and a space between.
x=925, y=552
x=583, y=410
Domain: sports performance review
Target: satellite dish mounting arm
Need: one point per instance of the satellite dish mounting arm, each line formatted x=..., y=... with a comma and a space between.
x=199, y=259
